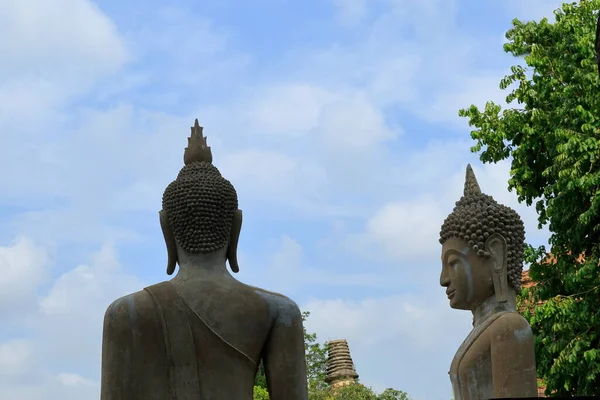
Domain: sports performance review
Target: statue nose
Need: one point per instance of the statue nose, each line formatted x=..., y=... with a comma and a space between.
x=444, y=278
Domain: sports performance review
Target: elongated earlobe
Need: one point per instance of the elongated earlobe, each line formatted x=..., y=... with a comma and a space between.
x=236, y=228
x=496, y=246
x=169, y=241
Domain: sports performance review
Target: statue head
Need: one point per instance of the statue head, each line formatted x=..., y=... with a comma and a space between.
x=200, y=208
x=482, y=249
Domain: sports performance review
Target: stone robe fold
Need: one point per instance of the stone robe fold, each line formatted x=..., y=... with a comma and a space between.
x=471, y=369
x=155, y=347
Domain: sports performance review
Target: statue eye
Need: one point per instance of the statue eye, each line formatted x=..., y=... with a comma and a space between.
x=453, y=262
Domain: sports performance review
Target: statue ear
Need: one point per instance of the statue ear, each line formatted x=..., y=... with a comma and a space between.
x=169, y=241
x=236, y=228
x=496, y=246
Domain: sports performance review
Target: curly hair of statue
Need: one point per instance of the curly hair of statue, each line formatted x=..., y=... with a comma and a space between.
x=200, y=203
x=476, y=216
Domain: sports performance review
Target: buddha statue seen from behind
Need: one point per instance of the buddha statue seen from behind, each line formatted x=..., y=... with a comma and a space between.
x=482, y=259
x=202, y=334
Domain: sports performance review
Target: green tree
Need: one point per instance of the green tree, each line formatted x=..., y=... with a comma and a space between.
x=357, y=392
x=551, y=129
x=354, y=392
x=318, y=389
x=260, y=380
x=316, y=362
x=393, y=394
x=260, y=393
x=316, y=358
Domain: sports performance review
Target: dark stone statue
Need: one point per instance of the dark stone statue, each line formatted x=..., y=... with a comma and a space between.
x=202, y=334
x=482, y=259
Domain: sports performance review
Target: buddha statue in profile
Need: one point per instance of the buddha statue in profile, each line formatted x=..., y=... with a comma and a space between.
x=482, y=260
x=202, y=334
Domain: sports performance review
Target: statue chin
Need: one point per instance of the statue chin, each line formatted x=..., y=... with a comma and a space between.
x=457, y=305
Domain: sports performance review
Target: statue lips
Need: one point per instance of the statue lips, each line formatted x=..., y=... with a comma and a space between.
x=450, y=293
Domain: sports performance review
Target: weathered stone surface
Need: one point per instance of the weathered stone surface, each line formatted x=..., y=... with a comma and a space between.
x=202, y=334
x=340, y=367
x=482, y=261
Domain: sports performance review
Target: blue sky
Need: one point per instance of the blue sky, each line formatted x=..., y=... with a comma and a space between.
x=336, y=121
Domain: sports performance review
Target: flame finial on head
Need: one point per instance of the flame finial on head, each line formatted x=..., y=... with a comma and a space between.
x=471, y=185
x=197, y=149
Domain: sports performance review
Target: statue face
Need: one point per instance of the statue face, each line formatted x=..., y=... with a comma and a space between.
x=466, y=276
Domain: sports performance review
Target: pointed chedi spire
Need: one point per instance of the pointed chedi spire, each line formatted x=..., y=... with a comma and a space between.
x=471, y=185
x=197, y=149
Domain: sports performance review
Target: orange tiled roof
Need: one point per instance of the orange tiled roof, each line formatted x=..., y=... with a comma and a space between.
x=526, y=281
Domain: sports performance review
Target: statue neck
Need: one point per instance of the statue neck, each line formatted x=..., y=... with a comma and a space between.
x=491, y=306
x=201, y=265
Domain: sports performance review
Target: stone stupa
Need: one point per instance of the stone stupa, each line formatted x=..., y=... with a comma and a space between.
x=340, y=367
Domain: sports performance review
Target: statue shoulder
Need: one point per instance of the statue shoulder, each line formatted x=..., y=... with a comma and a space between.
x=509, y=325
x=283, y=304
x=134, y=307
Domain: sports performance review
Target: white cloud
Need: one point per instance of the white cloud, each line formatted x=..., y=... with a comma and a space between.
x=477, y=90
x=533, y=9
x=406, y=229
x=283, y=181
x=61, y=386
x=350, y=12
x=393, y=79
x=25, y=266
x=53, y=51
x=338, y=119
x=291, y=109
x=69, y=379
x=15, y=358
x=59, y=34
x=81, y=282
x=180, y=35
x=67, y=326
x=73, y=225
x=62, y=47
x=354, y=124
x=405, y=341
x=482, y=85
x=287, y=270
x=273, y=175
x=317, y=142
x=71, y=313
x=337, y=125
x=288, y=257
